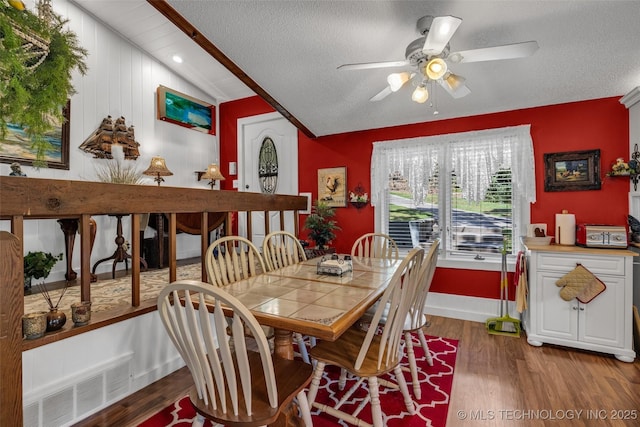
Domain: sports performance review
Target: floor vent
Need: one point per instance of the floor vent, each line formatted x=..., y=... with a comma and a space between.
x=63, y=404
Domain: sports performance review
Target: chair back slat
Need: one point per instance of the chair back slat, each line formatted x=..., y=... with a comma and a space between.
x=218, y=360
x=281, y=249
x=394, y=303
x=232, y=258
x=375, y=245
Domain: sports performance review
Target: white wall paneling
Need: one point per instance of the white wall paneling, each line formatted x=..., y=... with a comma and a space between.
x=121, y=81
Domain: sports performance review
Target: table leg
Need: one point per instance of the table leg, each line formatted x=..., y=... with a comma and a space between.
x=69, y=228
x=283, y=347
x=283, y=344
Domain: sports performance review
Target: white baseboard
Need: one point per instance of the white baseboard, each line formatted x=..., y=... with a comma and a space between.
x=462, y=307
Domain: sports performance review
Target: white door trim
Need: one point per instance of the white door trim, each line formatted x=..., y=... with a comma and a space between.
x=241, y=123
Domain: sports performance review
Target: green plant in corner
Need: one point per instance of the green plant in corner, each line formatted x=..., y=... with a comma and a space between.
x=320, y=224
x=37, y=57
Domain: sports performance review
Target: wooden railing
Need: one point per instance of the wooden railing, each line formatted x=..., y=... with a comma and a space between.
x=31, y=198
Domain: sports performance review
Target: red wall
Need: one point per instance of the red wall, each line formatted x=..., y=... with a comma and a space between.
x=585, y=125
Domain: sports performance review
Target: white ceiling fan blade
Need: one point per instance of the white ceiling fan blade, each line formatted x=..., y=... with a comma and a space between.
x=381, y=95
x=388, y=90
x=370, y=65
x=441, y=30
x=508, y=51
x=459, y=92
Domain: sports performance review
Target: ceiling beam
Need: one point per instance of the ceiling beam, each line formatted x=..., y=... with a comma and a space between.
x=179, y=21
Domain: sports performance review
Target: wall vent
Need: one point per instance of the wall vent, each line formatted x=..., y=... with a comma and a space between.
x=89, y=394
x=65, y=403
x=57, y=408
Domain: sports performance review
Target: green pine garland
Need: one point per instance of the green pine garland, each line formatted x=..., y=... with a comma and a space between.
x=35, y=98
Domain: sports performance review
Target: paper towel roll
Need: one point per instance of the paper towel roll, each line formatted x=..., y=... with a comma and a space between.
x=565, y=228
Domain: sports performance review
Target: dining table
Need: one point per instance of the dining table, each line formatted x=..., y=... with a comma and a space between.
x=302, y=298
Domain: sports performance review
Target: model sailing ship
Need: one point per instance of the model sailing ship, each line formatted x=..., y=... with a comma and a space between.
x=109, y=133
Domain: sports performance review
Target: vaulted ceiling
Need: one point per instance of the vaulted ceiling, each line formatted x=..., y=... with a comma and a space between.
x=289, y=53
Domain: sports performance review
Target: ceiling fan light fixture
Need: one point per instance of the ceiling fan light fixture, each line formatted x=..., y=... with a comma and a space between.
x=454, y=81
x=435, y=68
x=420, y=94
x=397, y=80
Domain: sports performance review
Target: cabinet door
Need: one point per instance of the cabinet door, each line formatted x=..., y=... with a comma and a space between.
x=601, y=321
x=556, y=317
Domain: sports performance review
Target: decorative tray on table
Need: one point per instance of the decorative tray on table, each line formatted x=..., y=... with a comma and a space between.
x=335, y=265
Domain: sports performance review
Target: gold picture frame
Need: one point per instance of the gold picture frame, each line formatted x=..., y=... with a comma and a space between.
x=184, y=110
x=332, y=186
x=16, y=147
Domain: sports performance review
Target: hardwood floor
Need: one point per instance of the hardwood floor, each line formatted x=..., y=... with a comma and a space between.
x=498, y=381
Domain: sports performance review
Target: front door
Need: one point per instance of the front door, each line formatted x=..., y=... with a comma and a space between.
x=268, y=163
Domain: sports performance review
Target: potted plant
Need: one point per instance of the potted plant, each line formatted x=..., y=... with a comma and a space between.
x=320, y=224
x=38, y=265
x=38, y=58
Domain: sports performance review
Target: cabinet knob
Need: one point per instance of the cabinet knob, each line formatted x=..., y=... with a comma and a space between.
x=574, y=307
x=581, y=308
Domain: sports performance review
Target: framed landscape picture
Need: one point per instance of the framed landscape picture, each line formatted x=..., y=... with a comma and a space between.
x=332, y=186
x=572, y=171
x=15, y=147
x=185, y=110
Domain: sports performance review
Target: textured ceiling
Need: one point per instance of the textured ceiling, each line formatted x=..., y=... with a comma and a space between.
x=291, y=49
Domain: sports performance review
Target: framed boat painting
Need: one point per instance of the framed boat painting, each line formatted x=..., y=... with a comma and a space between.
x=184, y=110
x=16, y=146
x=332, y=185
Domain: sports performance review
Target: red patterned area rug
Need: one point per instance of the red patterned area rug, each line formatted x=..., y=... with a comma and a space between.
x=431, y=409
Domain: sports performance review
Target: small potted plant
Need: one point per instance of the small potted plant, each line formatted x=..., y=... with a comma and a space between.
x=320, y=224
x=38, y=265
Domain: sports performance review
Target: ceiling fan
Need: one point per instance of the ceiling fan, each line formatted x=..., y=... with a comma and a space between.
x=428, y=59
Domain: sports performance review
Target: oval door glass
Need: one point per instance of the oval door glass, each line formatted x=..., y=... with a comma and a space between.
x=268, y=166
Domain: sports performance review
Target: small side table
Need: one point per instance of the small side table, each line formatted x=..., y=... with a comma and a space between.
x=120, y=253
x=70, y=227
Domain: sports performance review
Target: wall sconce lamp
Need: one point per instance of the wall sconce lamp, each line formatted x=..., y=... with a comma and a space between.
x=212, y=174
x=158, y=168
x=358, y=197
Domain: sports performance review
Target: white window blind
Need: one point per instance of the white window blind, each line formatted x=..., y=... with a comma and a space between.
x=492, y=176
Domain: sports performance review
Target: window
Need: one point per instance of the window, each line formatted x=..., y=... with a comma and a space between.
x=481, y=206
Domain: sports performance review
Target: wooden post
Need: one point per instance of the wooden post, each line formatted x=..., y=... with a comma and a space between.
x=135, y=260
x=11, y=311
x=204, y=244
x=173, y=265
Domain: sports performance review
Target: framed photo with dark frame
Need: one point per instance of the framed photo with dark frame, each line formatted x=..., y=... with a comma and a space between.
x=15, y=147
x=572, y=171
x=184, y=110
x=332, y=186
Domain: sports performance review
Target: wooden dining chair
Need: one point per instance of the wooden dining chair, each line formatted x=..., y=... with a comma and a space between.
x=233, y=385
x=416, y=319
x=232, y=258
x=371, y=354
x=375, y=245
x=281, y=249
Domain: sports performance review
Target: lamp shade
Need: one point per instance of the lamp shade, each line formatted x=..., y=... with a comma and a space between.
x=158, y=167
x=397, y=80
x=213, y=173
x=454, y=81
x=420, y=94
x=436, y=68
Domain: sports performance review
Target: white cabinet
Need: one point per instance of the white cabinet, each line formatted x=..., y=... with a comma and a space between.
x=604, y=324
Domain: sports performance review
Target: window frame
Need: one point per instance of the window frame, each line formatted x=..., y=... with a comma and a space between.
x=458, y=259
